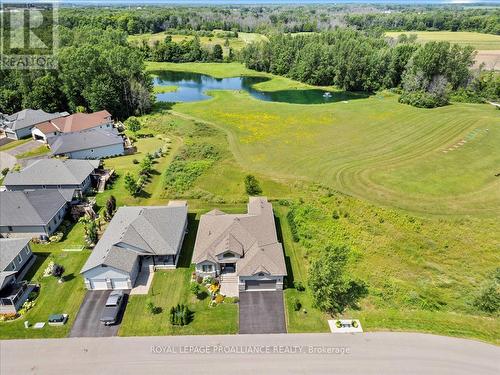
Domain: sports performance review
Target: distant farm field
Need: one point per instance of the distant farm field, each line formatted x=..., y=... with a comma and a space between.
x=478, y=40
x=208, y=42
x=441, y=161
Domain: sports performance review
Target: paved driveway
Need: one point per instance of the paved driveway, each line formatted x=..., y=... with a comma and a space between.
x=87, y=322
x=262, y=312
x=25, y=147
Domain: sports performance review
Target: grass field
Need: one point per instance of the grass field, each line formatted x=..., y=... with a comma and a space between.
x=208, y=42
x=422, y=274
x=13, y=144
x=374, y=148
x=478, y=40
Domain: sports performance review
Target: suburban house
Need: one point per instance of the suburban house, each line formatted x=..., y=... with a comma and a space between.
x=72, y=123
x=242, y=249
x=35, y=213
x=88, y=144
x=20, y=124
x=136, y=236
x=53, y=174
x=16, y=259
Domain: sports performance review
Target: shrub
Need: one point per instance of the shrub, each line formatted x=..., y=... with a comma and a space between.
x=354, y=324
x=10, y=316
x=57, y=270
x=48, y=271
x=219, y=298
x=199, y=279
x=56, y=237
x=180, y=315
x=252, y=186
x=133, y=124
x=299, y=286
x=5, y=171
x=290, y=217
x=296, y=304
x=152, y=309
x=488, y=299
x=135, y=161
x=195, y=289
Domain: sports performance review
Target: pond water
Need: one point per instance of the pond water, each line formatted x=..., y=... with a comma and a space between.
x=192, y=87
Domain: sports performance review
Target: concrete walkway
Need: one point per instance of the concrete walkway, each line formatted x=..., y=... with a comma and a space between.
x=144, y=278
x=368, y=354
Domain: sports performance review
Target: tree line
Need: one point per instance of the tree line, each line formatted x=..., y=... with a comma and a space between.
x=426, y=75
x=264, y=19
x=183, y=51
x=97, y=69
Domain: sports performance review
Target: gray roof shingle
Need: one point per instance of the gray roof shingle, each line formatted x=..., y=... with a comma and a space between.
x=138, y=230
x=252, y=236
x=29, y=117
x=84, y=140
x=52, y=172
x=9, y=249
x=35, y=207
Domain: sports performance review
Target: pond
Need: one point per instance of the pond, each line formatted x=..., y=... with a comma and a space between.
x=192, y=87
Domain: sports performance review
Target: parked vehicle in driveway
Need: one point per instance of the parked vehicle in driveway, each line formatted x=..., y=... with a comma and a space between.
x=113, y=307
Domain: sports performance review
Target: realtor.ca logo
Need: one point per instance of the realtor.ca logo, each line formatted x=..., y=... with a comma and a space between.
x=28, y=35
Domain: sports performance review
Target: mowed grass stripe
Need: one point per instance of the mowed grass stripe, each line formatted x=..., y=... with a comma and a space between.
x=373, y=148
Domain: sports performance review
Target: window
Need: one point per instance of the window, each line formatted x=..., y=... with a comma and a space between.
x=207, y=268
x=27, y=249
x=10, y=228
x=228, y=255
x=44, y=187
x=13, y=266
x=19, y=257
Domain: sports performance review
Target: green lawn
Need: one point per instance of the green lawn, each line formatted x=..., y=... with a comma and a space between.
x=373, y=148
x=38, y=151
x=171, y=287
x=477, y=40
x=54, y=297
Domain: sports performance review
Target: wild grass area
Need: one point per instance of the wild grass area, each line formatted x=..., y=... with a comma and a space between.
x=439, y=161
x=477, y=40
x=422, y=274
x=54, y=297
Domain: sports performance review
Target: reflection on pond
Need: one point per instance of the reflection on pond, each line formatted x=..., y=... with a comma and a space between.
x=192, y=87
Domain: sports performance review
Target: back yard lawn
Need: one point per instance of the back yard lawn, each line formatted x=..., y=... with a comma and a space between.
x=54, y=297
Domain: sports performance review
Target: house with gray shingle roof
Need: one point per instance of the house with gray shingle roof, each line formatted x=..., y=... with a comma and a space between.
x=88, y=144
x=16, y=258
x=35, y=213
x=53, y=174
x=135, y=235
x=241, y=248
x=20, y=124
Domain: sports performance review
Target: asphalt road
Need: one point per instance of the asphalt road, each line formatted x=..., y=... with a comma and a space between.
x=369, y=353
x=262, y=312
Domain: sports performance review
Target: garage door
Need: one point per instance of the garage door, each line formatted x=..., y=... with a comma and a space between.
x=120, y=284
x=260, y=285
x=98, y=284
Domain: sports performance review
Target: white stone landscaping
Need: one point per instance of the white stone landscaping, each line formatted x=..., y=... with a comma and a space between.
x=345, y=326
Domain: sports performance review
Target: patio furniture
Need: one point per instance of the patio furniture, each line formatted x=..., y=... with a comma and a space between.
x=39, y=325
